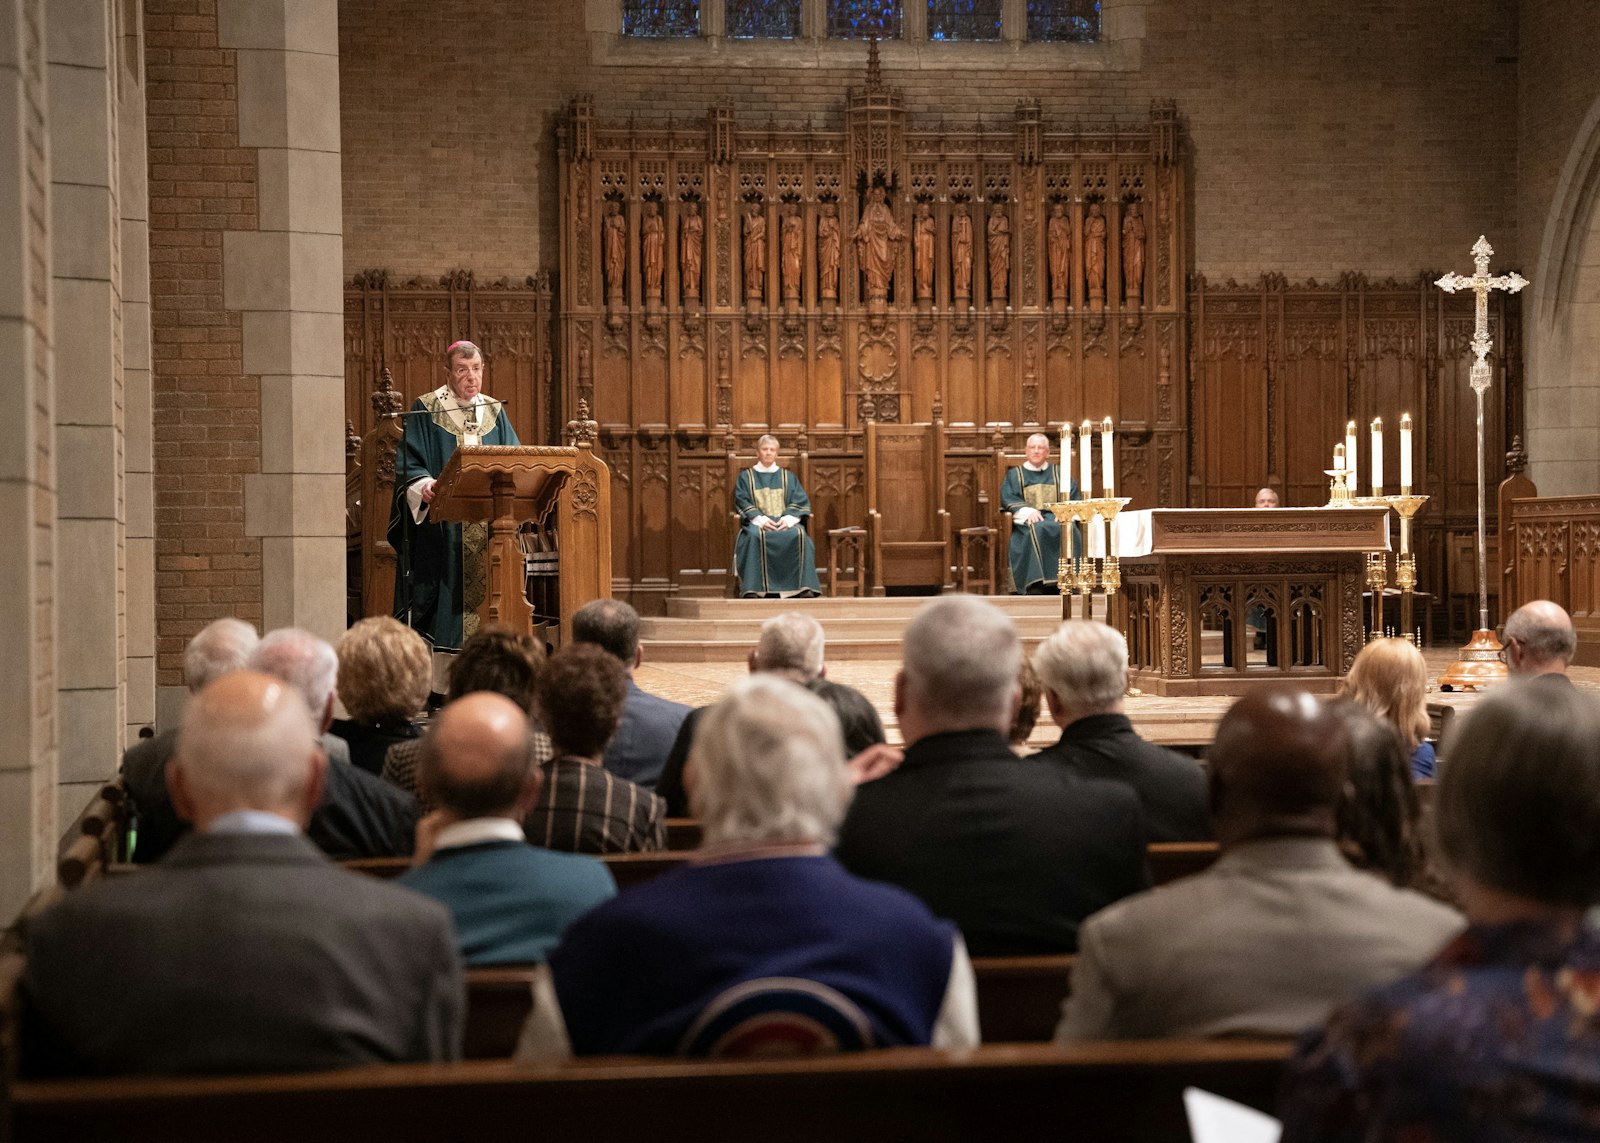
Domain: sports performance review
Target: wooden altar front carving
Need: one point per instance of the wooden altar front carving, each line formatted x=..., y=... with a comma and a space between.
x=722, y=278
x=1228, y=599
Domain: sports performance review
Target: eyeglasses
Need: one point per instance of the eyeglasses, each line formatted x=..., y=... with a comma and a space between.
x=1501, y=654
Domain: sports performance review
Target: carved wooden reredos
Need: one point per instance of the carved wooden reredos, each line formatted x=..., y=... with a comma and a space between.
x=721, y=279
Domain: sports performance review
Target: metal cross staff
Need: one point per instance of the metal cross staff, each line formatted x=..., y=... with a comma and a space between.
x=1481, y=283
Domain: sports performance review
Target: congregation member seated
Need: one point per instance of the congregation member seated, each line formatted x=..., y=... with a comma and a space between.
x=1013, y=852
x=1028, y=491
x=639, y=749
x=858, y=718
x=791, y=644
x=359, y=815
x=584, y=808
x=510, y=900
x=1027, y=716
x=1083, y=668
x=244, y=949
x=1390, y=678
x=495, y=659
x=1497, y=1037
x=764, y=942
x=1380, y=818
x=773, y=556
x=1281, y=928
x=1540, y=642
x=385, y=676
x=219, y=647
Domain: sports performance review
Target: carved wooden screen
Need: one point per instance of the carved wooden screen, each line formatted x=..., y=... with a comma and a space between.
x=407, y=327
x=1276, y=370
x=1023, y=273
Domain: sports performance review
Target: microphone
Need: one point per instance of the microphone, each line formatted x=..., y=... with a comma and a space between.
x=429, y=412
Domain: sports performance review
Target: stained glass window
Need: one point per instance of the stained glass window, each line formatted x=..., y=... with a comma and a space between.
x=964, y=19
x=863, y=19
x=764, y=19
x=1064, y=20
x=660, y=18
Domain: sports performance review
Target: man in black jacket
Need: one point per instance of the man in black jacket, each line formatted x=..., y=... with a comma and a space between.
x=1083, y=669
x=1012, y=851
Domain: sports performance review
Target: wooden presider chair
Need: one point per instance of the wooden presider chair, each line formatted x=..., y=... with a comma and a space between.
x=908, y=527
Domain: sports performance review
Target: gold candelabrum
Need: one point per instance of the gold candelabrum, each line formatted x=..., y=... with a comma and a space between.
x=1405, y=506
x=1084, y=574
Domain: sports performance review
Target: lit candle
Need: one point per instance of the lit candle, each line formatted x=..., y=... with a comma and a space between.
x=1405, y=454
x=1086, y=461
x=1350, y=444
x=1377, y=456
x=1066, y=461
x=1338, y=458
x=1108, y=473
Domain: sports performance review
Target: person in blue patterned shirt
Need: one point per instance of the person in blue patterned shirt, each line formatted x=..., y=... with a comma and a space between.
x=1499, y=1037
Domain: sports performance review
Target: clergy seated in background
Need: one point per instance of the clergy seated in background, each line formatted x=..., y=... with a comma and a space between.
x=1282, y=928
x=511, y=901
x=440, y=575
x=1497, y=1037
x=244, y=950
x=1027, y=493
x=764, y=942
x=773, y=554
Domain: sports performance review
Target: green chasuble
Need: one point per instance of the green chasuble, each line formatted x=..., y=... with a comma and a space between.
x=1035, y=548
x=773, y=562
x=439, y=574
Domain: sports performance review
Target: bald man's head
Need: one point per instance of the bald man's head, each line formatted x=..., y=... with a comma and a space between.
x=246, y=743
x=1540, y=639
x=1277, y=766
x=476, y=761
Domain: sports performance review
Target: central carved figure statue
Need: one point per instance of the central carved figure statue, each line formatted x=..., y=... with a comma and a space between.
x=876, y=240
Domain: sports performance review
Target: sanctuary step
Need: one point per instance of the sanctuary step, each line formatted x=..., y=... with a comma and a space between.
x=699, y=630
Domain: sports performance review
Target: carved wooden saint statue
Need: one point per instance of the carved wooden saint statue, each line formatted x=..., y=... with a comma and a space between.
x=876, y=241
x=1058, y=236
x=999, y=252
x=961, y=250
x=614, y=235
x=691, y=246
x=1133, y=255
x=755, y=252
x=653, y=246
x=828, y=250
x=1094, y=255
x=792, y=242
x=922, y=250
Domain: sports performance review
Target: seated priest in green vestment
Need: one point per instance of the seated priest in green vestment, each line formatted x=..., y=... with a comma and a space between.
x=1027, y=493
x=439, y=578
x=773, y=555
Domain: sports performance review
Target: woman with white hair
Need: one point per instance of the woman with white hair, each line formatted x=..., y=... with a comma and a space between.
x=773, y=555
x=764, y=940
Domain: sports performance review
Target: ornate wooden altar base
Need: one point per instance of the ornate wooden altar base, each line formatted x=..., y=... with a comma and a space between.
x=1228, y=599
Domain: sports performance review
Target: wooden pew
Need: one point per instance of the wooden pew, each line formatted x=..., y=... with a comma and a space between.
x=1170, y=860
x=1019, y=1001
x=683, y=833
x=1090, y=1091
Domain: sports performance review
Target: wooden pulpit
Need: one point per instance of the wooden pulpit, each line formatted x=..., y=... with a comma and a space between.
x=507, y=485
x=1229, y=598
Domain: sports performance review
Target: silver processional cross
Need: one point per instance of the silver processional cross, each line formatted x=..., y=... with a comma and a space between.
x=1481, y=283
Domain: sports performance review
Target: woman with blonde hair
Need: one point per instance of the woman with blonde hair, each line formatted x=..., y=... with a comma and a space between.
x=385, y=674
x=1390, y=678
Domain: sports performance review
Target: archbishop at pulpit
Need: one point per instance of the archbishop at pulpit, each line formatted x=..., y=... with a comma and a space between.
x=440, y=578
x=1027, y=493
x=773, y=554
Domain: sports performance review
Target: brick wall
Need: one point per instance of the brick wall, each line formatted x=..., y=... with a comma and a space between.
x=1327, y=136
x=207, y=415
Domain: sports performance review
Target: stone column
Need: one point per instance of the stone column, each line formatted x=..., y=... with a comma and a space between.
x=86, y=317
x=28, y=742
x=287, y=280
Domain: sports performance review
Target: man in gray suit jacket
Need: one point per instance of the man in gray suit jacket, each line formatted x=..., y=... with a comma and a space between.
x=1281, y=928
x=245, y=950
x=650, y=723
